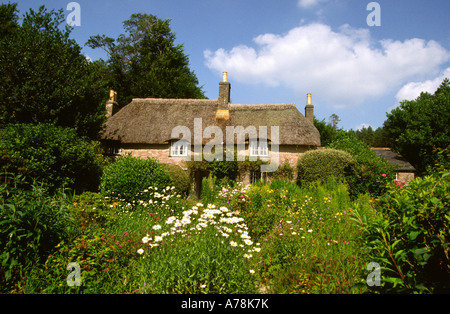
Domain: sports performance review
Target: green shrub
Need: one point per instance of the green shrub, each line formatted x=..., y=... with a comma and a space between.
x=371, y=173
x=284, y=172
x=56, y=156
x=93, y=211
x=128, y=176
x=32, y=223
x=318, y=165
x=410, y=236
x=105, y=261
x=179, y=177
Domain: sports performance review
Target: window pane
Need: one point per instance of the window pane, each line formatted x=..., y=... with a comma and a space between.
x=263, y=148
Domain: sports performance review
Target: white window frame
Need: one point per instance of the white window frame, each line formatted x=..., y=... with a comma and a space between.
x=179, y=149
x=258, y=148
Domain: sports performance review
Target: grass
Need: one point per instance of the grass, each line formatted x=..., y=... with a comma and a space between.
x=265, y=238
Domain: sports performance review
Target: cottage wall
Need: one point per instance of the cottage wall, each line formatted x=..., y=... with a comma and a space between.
x=159, y=152
x=289, y=153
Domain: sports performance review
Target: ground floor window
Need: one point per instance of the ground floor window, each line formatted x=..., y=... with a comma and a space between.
x=179, y=149
x=259, y=148
x=112, y=148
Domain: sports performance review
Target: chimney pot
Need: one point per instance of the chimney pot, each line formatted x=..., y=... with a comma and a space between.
x=309, y=109
x=224, y=77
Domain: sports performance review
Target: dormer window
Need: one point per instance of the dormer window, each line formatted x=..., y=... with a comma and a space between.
x=179, y=149
x=259, y=148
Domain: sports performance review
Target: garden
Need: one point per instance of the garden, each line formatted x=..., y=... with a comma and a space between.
x=144, y=231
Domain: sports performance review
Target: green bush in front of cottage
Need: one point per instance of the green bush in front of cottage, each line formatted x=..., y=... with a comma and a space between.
x=370, y=172
x=318, y=165
x=128, y=176
x=180, y=178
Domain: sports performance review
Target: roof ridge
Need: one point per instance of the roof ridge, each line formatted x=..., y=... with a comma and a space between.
x=262, y=106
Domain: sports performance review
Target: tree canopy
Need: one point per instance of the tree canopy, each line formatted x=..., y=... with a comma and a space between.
x=45, y=77
x=419, y=126
x=146, y=62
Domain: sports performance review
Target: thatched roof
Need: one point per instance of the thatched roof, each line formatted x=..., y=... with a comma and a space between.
x=394, y=159
x=151, y=120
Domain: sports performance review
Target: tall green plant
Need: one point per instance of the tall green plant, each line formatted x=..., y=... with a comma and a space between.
x=410, y=236
x=31, y=224
x=209, y=189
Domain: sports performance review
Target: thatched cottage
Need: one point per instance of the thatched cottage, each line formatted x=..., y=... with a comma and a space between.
x=146, y=128
x=405, y=171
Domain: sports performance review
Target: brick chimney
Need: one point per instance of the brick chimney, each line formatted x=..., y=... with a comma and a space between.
x=224, y=92
x=112, y=105
x=309, y=109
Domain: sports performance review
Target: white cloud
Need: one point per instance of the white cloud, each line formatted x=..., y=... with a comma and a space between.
x=344, y=67
x=309, y=3
x=412, y=90
x=362, y=126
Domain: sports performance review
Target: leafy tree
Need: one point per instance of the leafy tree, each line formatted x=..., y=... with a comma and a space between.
x=326, y=130
x=419, y=126
x=373, y=138
x=8, y=19
x=334, y=119
x=45, y=77
x=145, y=62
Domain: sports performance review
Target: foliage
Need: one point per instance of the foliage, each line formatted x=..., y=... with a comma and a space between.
x=409, y=237
x=104, y=261
x=179, y=178
x=326, y=130
x=371, y=173
x=145, y=62
x=209, y=189
x=308, y=245
x=56, y=156
x=202, y=250
x=45, y=77
x=128, y=176
x=419, y=126
x=32, y=223
x=93, y=211
x=320, y=164
x=307, y=237
x=373, y=138
x=283, y=172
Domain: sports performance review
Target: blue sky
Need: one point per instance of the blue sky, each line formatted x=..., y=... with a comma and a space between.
x=277, y=51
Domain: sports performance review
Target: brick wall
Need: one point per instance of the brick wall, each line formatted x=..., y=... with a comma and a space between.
x=288, y=153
